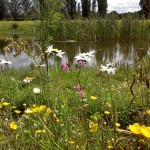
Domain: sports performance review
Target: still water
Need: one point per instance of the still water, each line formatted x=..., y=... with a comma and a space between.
x=120, y=52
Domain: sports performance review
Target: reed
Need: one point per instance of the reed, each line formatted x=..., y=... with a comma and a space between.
x=102, y=29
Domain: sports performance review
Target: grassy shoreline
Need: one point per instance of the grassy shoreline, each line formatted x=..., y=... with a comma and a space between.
x=82, y=30
x=24, y=29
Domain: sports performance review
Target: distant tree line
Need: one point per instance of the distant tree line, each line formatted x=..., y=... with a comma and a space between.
x=30, y=9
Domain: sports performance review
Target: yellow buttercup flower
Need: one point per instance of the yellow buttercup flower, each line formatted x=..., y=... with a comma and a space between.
x=14, y=107
x=117, y=124
x=93, y=98
x=13, y=125
x=24, y=105
x=93, y=126
x=17, y=111
x=42, y=107
x=106, y=112
x=145, y=131
x=39, y=109
x=135, y=128
x=5, y=103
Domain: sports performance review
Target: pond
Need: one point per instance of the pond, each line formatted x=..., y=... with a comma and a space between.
x=120, y=52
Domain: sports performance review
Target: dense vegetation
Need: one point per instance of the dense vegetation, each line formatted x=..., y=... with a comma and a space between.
x=75, y=108
x=81, y=30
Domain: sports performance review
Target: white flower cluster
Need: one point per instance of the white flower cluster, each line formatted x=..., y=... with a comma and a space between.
x=83, y=58
x=51, y=50
x=108, y=68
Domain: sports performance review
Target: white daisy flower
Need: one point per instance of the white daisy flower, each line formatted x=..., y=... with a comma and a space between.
x=60, y=53
x=51, y=50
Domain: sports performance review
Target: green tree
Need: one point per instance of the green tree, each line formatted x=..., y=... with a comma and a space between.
x=85, y=8
x=27, y=6
x=145, y=7
x=15, y=8
x=71, y=8
x=2, y=9
x=102, y=7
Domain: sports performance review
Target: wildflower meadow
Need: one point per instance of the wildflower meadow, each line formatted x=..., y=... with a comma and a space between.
x=73, y=106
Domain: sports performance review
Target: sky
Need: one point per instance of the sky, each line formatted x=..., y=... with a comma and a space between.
x=122, y=6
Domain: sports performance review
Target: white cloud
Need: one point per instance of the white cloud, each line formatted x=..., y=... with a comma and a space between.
x=123, y=5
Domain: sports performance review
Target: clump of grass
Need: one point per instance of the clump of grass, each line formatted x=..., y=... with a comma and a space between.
x=14, y=26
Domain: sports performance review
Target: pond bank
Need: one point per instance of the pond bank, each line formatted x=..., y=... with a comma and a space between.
x=82, y=30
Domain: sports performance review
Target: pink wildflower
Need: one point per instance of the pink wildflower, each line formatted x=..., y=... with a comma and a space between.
x=81, y=62
x=81, y=93
x=65, y=67
x=78, y=87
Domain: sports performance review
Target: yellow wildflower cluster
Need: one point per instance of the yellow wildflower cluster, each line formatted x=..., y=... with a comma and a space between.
x=140, y=130
x=13, y=125
x=37, y=109
x=3, y=104
x=93, y=126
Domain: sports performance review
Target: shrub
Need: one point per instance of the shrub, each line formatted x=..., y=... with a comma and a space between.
x=14, y=25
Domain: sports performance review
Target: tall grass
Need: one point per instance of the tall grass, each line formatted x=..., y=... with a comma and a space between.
x=102, y=29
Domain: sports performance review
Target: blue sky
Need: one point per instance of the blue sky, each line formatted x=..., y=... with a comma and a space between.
x=123, y=5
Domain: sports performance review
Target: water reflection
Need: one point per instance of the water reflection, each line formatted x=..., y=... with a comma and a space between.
x=107, y=51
